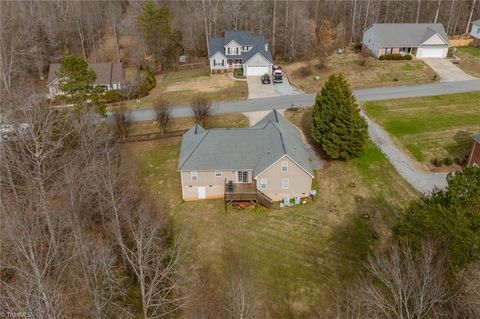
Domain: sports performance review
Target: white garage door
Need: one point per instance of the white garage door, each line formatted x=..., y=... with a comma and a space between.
x=257, y=70
x=431, y=53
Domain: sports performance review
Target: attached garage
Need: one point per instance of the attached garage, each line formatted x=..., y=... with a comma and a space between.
x=256, y=70
x=432, y=52
x=257, y=65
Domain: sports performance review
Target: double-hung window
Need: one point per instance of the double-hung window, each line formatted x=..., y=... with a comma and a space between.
x=285, y=183
x=242, y=176
x=194, y=175
x=284, y=166
x=263, y=183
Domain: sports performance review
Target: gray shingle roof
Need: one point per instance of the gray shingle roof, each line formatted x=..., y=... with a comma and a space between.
x=476, y=137
x=242, y=38
x=406, y=34
x=255, y=147
x=107, y=73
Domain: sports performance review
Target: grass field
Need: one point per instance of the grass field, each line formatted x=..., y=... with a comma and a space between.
x=300, y=254
x=181, y=87
x=430, y=127
x=471, y=60
x=374, y=73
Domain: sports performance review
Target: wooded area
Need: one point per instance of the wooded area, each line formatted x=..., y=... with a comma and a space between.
x=34, y=34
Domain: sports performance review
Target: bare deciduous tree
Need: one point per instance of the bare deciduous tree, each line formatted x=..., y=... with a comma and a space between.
x=201, y=108
x=401, y=284
x=162, y=110
x=243, y=295
x=123, y=121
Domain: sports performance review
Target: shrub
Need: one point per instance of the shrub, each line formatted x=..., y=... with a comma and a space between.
x=238, y=72
x=448, y=161
x=112, y=96
x=395, y=56
x=149, y=80
x=363, y=61
x=395, y=80
x=436, y=162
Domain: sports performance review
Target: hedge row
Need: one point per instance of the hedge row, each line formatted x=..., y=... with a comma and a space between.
x=395, y=56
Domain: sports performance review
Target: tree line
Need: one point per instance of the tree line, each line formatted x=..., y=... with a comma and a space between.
x=34, y=34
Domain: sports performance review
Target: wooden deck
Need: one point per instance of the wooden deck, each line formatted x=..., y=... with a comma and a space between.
x=246, y=192
x=241, y=192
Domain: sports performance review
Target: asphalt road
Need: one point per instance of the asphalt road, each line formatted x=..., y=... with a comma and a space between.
x=306, y=100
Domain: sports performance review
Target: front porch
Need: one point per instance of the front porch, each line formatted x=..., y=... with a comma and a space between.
x=233, y=64
x=402, y=51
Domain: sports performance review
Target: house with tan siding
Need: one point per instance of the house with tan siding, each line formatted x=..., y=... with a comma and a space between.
x=267, y=161
x=422, y=40
x=474, y=158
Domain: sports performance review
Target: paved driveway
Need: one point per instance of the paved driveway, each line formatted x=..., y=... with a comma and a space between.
x=447, y=70
x=258, y=90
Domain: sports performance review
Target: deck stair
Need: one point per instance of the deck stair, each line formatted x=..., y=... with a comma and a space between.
x=245, y=192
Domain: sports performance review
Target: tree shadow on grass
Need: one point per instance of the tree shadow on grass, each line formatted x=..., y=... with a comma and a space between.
x=353, y=239
x=463, y=143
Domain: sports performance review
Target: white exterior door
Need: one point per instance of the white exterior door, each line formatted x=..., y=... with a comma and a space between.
x=202, y=192
x=257, y=70
x=431, y=53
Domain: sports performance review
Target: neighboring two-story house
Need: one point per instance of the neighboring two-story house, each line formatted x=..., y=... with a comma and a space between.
x=422, y=40
x=268, y=159
x=475, y=32
x=110, y=76
x=240, y=49
x=474, y=158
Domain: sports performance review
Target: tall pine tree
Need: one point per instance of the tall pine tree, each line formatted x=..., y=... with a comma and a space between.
x=337, y=124
x=77, y=80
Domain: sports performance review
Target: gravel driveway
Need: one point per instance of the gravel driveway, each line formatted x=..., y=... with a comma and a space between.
x=447, y=71
x=420, y=179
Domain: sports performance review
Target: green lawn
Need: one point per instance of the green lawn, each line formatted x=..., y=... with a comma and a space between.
x=180, y=87
x=430, y=127
x=300, y=253
x=471, y=60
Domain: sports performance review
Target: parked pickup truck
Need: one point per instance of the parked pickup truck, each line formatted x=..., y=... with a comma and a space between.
x=277, y=74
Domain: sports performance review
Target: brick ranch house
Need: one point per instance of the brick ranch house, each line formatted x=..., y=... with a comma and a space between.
x=267, y=159
x=240, y=49
x=110, y=76
x=422, y=40
x=474, y=158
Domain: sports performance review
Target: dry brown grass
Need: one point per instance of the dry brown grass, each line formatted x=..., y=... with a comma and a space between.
x=362, y=72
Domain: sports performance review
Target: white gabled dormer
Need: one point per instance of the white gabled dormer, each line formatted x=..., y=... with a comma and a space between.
x=233, y=48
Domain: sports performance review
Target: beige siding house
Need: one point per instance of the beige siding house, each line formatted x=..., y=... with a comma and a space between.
x=422, y=40
x=268, y=158
x=110, y=76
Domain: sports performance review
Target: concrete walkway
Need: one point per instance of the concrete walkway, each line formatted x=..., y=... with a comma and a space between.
x=447, y=71
x=423, y=181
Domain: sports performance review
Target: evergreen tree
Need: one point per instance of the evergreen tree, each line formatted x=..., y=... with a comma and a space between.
x=337, y=124
x=77, y=81
x=451, y=217
x=163, y=41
